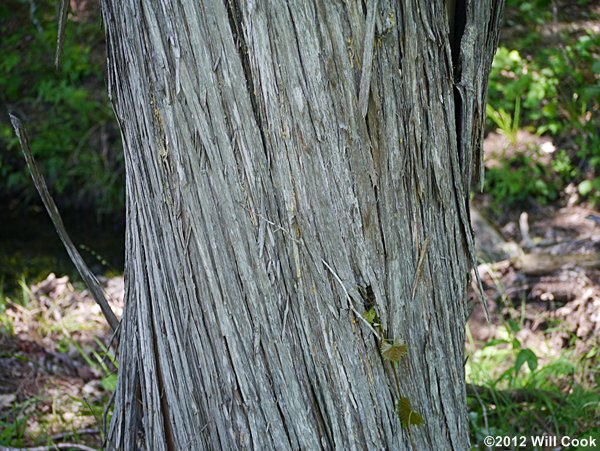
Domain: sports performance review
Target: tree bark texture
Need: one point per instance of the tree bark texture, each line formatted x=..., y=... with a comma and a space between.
x=288, y=165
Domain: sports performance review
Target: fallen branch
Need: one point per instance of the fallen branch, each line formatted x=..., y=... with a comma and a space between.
x=544, y=263
x=515, y=395
x=40, y=184
x=51, y=447
x=62, y=436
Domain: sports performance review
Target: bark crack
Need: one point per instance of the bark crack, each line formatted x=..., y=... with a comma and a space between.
x=458, y=22
x=236, y=393
x=234, y=15
x=164, y=407
x=320, y=415
x=300, y=59
x=444, y=400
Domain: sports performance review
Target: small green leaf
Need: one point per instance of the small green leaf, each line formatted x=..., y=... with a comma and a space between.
x=516, y=344
x=109, y=383
x=513, y=325
x=591, y=353
x=494, y=342
x=370, y=315
x=526, y=355
x=532, y=361
x=585, y=187
x=393, y=351
x=408, y=417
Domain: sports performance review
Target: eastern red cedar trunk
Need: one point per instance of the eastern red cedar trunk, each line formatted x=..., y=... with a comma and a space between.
x=289, y=165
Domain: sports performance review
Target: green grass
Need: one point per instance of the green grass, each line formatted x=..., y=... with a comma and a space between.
x=58, y=401
x=550, y=88
x=13, y=424
x=519, y=394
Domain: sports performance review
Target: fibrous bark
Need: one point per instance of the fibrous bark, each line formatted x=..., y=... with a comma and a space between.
x=251, y=168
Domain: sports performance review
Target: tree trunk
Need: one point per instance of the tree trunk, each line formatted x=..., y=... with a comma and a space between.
x=290, y=165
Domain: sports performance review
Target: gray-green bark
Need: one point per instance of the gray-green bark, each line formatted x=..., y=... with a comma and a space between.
x=251, y=166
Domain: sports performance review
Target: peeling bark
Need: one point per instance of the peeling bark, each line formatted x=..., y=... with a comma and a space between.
x=251, y=168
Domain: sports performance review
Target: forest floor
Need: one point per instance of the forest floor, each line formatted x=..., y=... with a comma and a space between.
x=56, y=373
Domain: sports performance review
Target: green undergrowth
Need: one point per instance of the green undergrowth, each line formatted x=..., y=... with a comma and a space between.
x=545, y=82
x=53, y=341
x=67, y=112
x=517, y=391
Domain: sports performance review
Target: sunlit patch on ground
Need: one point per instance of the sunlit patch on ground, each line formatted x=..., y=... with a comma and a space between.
x=56, y=375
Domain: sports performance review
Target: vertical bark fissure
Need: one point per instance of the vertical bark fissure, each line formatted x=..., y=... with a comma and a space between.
x=237, y=394
x=170, y=441
x=458, y=21
x=301, y=61
x=448, y=430
x=285, y=426
x=235, y=18
x=276, y=393
x=323, y=420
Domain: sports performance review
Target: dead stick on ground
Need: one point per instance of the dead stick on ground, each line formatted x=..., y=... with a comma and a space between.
x=62, y=436
x=515, y=395
x=40, y=184
x=71, y=446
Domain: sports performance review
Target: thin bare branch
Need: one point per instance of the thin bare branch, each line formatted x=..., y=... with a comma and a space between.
x=63, y=9
x=40, y=183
